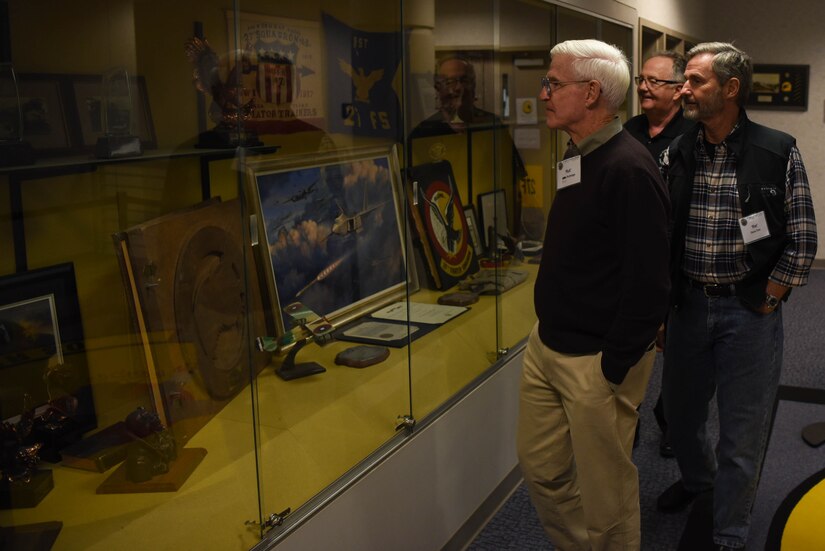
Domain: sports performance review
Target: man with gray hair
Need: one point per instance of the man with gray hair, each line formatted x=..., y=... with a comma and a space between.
x=744, y=234
x=600, y=296
x=659, y=87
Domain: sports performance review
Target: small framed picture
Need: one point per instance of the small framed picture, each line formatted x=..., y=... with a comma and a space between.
x=42, y=104
x=87, y=104
x=42, y=352
x=472, y=227
x=493, y=207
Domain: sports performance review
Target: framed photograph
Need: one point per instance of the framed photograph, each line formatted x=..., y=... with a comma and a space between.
x=42, y=354
x=439, y=219
x=331, y=233
x=472, y=227
x=493, y=207
x=783, y=87
x=86, y=101
x=43, y=106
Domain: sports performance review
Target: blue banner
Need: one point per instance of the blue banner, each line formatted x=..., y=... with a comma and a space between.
x=361, y=68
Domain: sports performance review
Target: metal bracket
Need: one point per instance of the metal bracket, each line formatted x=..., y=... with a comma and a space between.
x=404, y=422
x=275, y=519
x=493, y=357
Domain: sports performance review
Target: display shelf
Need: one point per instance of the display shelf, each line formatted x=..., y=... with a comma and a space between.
x=654, y=37
x=62, y=166
x=312, y=431
x=48, y=167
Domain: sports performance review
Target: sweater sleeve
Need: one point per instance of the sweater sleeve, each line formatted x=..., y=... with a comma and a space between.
x=642, y=219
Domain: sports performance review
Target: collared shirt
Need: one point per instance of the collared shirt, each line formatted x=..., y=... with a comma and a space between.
x=639, y=128
x=596, y=139
x=714, y=249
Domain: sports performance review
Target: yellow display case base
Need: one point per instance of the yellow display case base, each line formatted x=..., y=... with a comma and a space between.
x=179, y=470
x=30, y=537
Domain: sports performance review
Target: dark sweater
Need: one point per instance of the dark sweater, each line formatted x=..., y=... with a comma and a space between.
x=603, y=282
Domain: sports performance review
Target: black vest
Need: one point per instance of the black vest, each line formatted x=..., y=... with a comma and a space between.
x=761, y=163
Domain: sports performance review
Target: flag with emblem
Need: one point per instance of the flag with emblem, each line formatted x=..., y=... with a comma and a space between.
x=362, y=67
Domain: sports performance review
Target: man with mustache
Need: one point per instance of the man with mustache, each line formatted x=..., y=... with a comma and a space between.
x=743, y=235
x=659, y=87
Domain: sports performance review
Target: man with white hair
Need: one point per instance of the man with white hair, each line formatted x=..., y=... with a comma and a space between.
x=600, y=295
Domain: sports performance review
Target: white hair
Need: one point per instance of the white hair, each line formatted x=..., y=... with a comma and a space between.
x=597, y=60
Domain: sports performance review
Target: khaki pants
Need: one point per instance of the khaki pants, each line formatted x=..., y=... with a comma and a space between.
x=575, y=441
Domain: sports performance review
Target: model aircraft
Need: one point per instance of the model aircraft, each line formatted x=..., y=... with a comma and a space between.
x=311, y=328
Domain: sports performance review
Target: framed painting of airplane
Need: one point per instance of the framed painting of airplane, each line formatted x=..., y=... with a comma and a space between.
x=331, y=233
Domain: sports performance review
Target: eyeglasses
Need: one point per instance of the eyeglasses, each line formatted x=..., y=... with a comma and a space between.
x=654, y=82
x=441, y=82
x=551, y=86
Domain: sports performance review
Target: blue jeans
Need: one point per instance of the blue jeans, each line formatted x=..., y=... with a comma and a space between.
x=717, y=344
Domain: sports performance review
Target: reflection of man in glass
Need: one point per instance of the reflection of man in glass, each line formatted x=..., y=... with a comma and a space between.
x=455, y=85
x=457, y=116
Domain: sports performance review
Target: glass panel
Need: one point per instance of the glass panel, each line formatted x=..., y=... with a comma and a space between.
x=621, y=37
x=575, y=25
x=527, y=32
x=331, y=221
x=158, y=300
x=202, y=195
x=455, y=158
x=124, y=305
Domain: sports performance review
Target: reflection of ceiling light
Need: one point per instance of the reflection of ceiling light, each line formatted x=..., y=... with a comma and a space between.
x=528, y=62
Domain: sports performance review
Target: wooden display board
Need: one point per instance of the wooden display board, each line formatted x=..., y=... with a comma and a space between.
x=185, y=275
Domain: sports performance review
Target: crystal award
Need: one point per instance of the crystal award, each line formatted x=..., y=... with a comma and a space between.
x=117, y=117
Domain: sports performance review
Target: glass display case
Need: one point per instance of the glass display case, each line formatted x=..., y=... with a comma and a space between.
x=251, y=243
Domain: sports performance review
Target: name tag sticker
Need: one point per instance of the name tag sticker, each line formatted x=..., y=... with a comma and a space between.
x=754, y=227
x=569, y=172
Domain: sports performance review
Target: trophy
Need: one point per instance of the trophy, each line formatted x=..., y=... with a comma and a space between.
x=232, y=103
x=13, y=150
x=117, y=117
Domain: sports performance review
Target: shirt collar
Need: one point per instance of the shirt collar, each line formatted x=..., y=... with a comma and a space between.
x=734, y=141
x=599, y=137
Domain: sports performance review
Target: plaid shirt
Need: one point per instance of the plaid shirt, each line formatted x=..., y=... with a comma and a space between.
x=714, y=249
